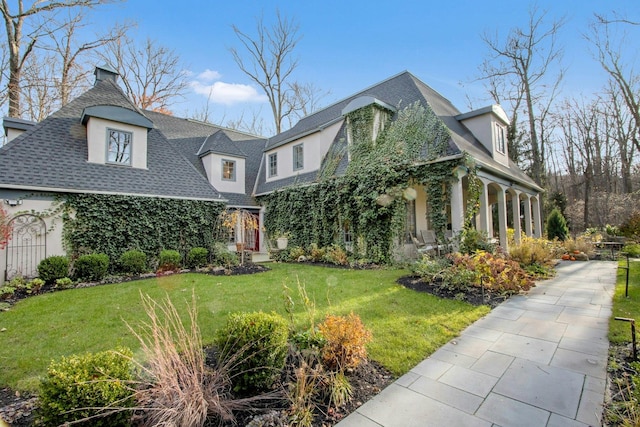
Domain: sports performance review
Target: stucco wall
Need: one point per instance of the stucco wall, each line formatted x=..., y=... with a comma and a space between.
x=38, y=205
x=97, y=140
x=315, y=147
x=213, y=166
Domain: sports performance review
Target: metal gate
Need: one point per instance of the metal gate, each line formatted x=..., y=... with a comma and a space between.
x=27, y=246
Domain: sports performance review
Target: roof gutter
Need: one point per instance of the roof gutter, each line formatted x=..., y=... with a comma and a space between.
x=110, y=193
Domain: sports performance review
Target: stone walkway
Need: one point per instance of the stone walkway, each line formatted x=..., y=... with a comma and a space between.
x=536, y=360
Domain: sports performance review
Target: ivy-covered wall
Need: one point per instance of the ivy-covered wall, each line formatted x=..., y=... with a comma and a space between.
x=370, y=197
x=112, y=224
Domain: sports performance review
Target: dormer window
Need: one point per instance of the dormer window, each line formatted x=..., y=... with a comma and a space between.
x=119, y=147
x=228, y=170
x=273, y=164
x=500, y=138
x=298, y=157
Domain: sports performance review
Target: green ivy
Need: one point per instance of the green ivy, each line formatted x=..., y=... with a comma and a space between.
x=369, y=196
x=113, y=224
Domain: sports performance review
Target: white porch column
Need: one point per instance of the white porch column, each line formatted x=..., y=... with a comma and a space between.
x=515, y=205
x=502, y=217
x=527, y=216
x=537, y=223
x=484, y=208
x=457, y=204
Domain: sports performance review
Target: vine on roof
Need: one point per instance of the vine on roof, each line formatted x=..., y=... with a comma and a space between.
x=370, y=198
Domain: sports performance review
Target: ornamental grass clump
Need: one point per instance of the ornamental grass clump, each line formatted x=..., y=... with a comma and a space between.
x=178, y=388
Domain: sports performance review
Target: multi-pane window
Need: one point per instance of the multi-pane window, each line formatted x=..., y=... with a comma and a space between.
x=118, y=147
x=273, y=164
x=228, y=170
x=500, y=138
x=298, y=157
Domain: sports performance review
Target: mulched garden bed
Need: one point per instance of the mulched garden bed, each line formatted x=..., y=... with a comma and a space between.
x=472, y=295
x=620, y=370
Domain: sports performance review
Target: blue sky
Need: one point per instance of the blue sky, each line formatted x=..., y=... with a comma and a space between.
x=349, y=45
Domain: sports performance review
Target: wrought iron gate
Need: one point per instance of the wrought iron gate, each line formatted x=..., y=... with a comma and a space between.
x=27, y=246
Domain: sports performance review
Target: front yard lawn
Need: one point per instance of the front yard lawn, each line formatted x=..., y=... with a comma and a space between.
x=406, y=325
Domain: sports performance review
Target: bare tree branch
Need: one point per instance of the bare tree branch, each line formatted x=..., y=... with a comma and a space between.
x=152, y=75
x=37, y=14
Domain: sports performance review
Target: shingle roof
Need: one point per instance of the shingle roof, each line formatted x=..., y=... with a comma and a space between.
x=400, y=91
x=52, y=156
x=192, y=138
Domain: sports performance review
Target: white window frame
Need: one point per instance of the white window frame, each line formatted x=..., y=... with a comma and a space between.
x=298, y=157
x=500, y=138
x=272, y=166
x=129, y=146
x=233, y=169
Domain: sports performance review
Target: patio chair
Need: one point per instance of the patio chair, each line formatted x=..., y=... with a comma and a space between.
x=430, y=241
x=423, y=247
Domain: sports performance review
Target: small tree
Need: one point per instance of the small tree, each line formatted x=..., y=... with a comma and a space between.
x=557, y=226
x=5, y=228
x=242, y=222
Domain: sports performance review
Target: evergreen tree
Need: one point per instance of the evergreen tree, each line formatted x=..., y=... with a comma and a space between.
x=557, y=226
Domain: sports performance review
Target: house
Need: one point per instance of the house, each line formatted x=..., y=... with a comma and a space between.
x=100, y=143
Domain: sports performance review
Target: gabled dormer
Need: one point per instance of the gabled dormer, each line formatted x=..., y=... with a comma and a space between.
x=116, y=136
x=366, y=118
x=224, y=162
x=14, y=127
x=489, y=126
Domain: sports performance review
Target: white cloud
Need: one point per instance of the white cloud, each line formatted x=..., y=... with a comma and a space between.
x=227, y=93
x=209, y=75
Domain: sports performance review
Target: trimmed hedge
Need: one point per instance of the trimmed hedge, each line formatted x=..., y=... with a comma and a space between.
x=133, y=262
x=92, y=267
x=169, y=260
x=197, y=257
x=53, y=268
x=257, y=343
x=88, y=381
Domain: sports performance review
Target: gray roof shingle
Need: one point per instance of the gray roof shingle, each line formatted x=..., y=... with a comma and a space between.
x=52, y=156
x=400, y=91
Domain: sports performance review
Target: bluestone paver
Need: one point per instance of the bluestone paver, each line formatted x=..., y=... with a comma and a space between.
x=539, y=359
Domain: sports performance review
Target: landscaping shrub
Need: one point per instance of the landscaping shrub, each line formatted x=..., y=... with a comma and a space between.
x=34, y=286
x=431, y=269
x=197, y=257
x=532, y=250
x=92, y=267
x=64, y=283
x=336, y=255
x=53, y=268
x=497, y=273
x=133, y=261
x=222, y=256
x=169, y=260
x=346, y=338
x=632, y=249
x=472, y=241
x=76, y=386
x=557, y=226
x=631, y=227
x=6, y=292
x=317, y=254
x=296, y=252
x=258, y=342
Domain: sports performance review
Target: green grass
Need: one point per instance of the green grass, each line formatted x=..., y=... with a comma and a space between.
x=620, y=332
x=406, y=326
